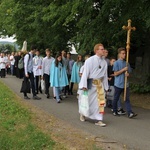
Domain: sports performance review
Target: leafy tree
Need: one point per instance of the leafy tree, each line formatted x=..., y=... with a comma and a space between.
x=39, y=23
x=60, y=23
x=6, y=14
x=7, y=47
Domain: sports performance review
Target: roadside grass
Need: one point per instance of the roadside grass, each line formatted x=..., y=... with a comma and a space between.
x=17, y=132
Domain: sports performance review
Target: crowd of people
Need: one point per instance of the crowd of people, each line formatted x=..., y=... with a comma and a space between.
x=97, y=75
x=9, y=64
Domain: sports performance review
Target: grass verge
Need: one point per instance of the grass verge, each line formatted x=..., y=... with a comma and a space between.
x=17, y=132
x=34, y=128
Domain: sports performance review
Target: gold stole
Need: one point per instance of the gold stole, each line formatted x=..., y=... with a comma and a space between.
x=100, y=95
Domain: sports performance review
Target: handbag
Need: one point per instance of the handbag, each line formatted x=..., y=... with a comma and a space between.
x=42, y=84
x=111, y=92
x=84, y=104
x=26, y=86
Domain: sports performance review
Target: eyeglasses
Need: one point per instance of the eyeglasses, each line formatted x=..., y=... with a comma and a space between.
x=101, y=49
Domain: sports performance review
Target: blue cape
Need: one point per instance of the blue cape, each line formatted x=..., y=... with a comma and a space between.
x=58, y=75
x=75, y=78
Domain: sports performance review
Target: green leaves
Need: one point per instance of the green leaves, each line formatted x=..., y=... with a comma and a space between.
x=84, y=23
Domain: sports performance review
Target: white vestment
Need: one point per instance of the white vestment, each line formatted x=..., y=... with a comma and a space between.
x=95, y=67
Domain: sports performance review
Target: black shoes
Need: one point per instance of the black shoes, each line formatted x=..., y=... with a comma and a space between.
x=59, y=98
x=121, y=112
x=26, y=97
x=40, y=91
x=109, y=105
x=48, y=96
x=37, y=92
x=70, y=92
x=116, y=114
x=36, y=98
x=132, y=115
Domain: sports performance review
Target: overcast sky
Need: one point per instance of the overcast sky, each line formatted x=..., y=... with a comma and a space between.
x=10, y=39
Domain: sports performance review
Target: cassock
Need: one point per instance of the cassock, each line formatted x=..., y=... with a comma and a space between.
x=95, y=68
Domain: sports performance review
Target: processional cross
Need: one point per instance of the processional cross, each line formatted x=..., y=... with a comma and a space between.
x=128, y=28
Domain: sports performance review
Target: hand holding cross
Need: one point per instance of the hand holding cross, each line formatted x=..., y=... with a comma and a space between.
x=128, y=28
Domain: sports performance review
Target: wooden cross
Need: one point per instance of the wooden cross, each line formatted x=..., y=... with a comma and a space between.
x=128, y=28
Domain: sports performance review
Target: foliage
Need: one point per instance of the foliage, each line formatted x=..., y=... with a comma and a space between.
x=140, y=88
x=143, y=87
x=6, y=15
x=56, y=24
x=16, y=128
x=35, y=22
x=7, y=47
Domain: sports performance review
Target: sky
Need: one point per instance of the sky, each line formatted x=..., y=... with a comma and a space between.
x=9, y=39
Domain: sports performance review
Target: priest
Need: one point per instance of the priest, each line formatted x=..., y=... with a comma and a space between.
x=94, y=81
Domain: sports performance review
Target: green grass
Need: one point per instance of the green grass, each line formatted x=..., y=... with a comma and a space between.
x=17, y=132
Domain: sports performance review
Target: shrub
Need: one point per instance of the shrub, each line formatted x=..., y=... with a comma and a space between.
x=143, y=87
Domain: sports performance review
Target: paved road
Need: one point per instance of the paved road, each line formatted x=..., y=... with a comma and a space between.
x=135, y=133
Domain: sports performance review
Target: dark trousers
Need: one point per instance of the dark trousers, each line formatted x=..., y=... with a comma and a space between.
x=12, y=69
x=31, y=78
x=66, y=89
x=47, y=83
x=3, y=73
x=71, y=88
x=8, y=71
x=118, y=92
x=17, y=72
x=21, y=73
x=37, y=85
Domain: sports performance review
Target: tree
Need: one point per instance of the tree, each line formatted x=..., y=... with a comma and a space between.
x=102, y=21
x=7, y=47
x=57, y=24
x=39, y=23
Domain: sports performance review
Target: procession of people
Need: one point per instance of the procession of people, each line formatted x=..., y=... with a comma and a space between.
x=97, y=78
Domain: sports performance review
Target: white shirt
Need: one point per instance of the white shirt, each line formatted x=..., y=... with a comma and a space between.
x=95, y=67
x=70, y=63
x=81, y=69
x=46, y=65
x=7, y=61
x=37, y=61
x=3, y=62
x=12, y=60
x=28, y=63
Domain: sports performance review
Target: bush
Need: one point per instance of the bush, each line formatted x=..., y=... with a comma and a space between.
x=143, y=87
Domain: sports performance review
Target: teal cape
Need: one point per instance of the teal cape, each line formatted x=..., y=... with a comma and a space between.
x=58, y=75
x=75, y=78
